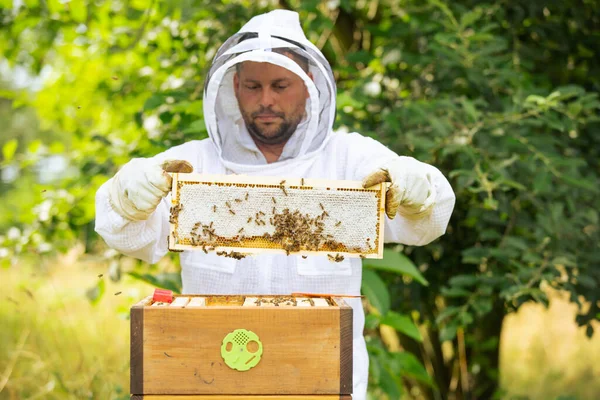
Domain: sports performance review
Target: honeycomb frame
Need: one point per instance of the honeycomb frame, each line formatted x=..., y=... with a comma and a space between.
x=308, y=239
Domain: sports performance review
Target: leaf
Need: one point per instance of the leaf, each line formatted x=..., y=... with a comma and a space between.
x=376, y=291
x=9, y=149
x=398, y=263
x=390, y=384
x=166, y=280
x=587, y=281
x=95, y=293
x=474, y=255
x=78, y=10
x=448, y=332
x=469, y=17
x=580, y=183
x=198, y=126
x=411, y=365
x=482, y=306
x=455, y=292
x=153, y=102
x=372, y=321
x=463, y=280
x=402, y=324
x=447, y=312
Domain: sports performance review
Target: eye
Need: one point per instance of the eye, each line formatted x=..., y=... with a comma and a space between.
x=281, y=87
x=252, y=87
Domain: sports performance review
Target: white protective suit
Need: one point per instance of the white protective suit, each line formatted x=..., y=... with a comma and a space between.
x=314, y=151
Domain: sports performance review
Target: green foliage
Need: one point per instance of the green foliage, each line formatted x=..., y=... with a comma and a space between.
x=501, y=96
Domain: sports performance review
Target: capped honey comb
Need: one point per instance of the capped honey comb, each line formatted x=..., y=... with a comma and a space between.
x=238, y=215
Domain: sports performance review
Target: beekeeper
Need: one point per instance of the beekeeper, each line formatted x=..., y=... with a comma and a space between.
x=269, y=107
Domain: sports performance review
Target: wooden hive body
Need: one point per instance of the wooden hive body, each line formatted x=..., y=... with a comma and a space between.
x=241, y=397
x=306, y=350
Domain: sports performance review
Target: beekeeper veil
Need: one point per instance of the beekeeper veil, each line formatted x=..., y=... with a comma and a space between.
x=276, y=38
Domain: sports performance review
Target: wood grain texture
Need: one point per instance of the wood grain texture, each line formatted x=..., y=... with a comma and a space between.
x=303, y=351
x=137, y=348
x=346, y=350
x=240, y=397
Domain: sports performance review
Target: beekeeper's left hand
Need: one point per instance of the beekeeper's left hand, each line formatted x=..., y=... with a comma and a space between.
x=412, y=193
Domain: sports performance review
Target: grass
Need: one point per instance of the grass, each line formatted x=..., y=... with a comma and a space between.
x=54, y=344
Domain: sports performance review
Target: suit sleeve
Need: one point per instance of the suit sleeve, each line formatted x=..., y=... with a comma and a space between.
x=366, y=155
x=145, y=240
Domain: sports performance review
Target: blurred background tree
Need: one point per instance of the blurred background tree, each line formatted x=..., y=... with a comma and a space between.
x=502, y=96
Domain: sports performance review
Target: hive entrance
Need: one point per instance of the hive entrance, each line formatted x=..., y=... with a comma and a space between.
x=237, y=215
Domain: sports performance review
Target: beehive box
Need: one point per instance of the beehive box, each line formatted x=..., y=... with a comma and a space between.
x=235, y=215
x=241, y=397
x=242, y=346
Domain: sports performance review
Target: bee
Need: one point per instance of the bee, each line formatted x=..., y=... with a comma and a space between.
x=273, y=210
x=247, y=194
x=228, y=204
x=273, y=198
x=336, y=258
x=211, y=224
x=241, y=230
x=204, y=249
x=362, y=256
x=305, y=257
x=249, y=220
x=175, y=210
x=284, y=191
x=118, y=293
x=261, y=213
x=338, y=223
x=282, y=182
x=321, y=205
x=215, y=208
x=231, y=211
x=302, y=182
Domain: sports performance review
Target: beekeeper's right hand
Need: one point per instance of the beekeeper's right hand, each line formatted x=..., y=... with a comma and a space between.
x=138, y=187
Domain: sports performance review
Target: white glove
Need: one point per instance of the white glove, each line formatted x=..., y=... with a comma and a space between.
x=138, y=187
x=412, y=193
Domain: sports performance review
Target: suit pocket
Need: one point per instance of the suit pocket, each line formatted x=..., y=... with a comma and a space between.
x=321, y=266
x=209, y=261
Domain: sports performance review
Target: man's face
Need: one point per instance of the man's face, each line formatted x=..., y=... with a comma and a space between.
x=272, y=100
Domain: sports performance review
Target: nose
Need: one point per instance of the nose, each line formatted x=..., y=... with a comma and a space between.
x=267, y=98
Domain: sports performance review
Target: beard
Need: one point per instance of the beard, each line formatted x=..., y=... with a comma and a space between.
x=285, y=130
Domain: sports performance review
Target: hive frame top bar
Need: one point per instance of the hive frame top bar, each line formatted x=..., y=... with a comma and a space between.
x=333, y=300
x=284, y=184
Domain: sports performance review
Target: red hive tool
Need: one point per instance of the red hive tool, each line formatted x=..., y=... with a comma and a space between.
x=162, y=295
